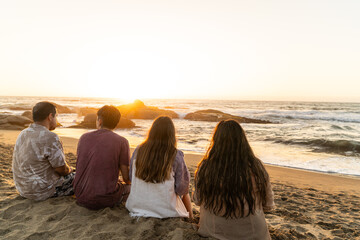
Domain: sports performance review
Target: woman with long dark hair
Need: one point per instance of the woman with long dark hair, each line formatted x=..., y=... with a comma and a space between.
x=232, y=187
x=159, y=176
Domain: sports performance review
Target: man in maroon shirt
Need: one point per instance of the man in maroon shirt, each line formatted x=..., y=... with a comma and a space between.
x=101, y=155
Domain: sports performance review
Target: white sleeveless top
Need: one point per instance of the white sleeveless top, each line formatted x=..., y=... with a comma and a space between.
x=157, y=200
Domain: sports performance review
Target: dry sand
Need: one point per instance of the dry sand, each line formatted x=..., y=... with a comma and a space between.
x=309, y=206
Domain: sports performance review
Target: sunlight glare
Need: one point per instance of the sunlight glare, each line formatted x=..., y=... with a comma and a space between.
x=131, y=74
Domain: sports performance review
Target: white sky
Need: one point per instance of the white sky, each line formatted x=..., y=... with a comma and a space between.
x=255, y=50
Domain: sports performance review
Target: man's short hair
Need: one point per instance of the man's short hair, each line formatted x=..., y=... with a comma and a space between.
x=42, y=110
x=110, y=116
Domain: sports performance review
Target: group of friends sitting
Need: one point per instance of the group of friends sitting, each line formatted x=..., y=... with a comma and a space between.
x=232, y=187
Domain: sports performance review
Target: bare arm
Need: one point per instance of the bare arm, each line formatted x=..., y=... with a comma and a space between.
x=63, y=170
x=187, y=202
x=269, y=201
x=124, y=169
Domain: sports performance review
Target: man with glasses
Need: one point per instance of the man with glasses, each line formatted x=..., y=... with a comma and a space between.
x=39, y=167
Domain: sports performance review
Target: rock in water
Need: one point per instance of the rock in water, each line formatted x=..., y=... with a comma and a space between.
x=138, y=110
x=211, y=115
x=62, y=109
x=90, y=122
x=28, y=114
x=86, y=110
x=14, y=122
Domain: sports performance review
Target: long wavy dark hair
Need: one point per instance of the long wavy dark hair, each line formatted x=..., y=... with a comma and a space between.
x=157, y=154
x=223, y=178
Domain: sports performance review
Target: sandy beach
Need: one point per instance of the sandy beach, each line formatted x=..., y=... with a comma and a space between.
x=309, y=205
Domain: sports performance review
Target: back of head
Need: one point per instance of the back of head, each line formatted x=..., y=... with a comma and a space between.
x=109, y=115
x=224, y=176
x=156, y=155
x=228, y=137
x=42, y=110
x=162, y=131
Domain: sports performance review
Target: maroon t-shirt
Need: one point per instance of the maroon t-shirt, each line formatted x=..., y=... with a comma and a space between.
x=99, y=155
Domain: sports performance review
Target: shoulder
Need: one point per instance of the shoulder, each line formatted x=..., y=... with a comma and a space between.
x=22, y=134
x=137, y=149
x=90, y=134
x=87, y=135
x=40, y=132
x=179, y=159
x=179, y=153
x=51, y=136
x=119, y=138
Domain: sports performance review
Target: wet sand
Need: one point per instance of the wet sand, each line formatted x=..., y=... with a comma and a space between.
x=310, y=205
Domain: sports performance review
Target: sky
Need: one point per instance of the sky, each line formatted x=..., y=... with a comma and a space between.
x=199, y=49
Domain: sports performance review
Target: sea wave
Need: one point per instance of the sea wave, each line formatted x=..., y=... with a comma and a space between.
x=282, y=115
x=348, y=119
x=342, y=147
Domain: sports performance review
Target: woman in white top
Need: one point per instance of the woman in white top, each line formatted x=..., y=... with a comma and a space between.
x=159, y=176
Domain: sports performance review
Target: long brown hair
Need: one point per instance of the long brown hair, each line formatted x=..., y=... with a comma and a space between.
x=156, y=155
x=223, y=179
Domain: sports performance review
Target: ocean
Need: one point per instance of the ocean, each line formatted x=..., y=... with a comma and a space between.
x=316, y=136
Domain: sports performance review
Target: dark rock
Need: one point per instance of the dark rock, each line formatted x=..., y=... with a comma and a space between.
x=86, y=110
x=138, y=110
x=28, y=114
x=14, y=122
x=138, y=104
x=19, y=108
x=211, y=115
x=16, y=107
x=90, y=122
x=63, y=109
x=135, y=110
x=125, y=123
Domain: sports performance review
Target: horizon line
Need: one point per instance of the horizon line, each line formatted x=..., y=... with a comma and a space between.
x=196, y=99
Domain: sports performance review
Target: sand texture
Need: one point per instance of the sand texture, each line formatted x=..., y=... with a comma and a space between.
x=305, y=209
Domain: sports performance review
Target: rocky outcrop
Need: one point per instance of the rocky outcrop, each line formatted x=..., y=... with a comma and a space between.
x=23, y=107
x=14, y=122
x=86, y=110
x=125, y=123
x=19, y=108
x=90, y=122
x=27, y=114
x=135, y=110
x=63, y=109
x=138, y=110
x=211, y=115
x=16, y=106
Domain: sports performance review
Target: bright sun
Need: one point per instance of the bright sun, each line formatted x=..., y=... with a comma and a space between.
x=132, y=75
